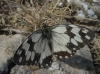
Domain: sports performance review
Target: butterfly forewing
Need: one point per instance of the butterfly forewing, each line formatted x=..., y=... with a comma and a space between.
x=69, y=38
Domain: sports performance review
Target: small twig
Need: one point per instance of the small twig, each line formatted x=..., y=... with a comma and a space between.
x=85, y=20
x=55, y=6
x=35, y=27
x=15, y=30
x=67, y=6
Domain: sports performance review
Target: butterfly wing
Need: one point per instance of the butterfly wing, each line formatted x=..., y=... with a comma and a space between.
x=34, y=51
x=68, y=38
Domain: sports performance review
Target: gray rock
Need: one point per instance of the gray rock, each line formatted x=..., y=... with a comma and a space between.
x=80, y=63
x=8, y=45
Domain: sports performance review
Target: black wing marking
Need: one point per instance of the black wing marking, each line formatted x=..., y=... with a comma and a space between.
x=34, y=51
x=68, y=38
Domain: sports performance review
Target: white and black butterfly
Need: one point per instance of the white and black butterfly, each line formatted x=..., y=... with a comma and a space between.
x=61, y=40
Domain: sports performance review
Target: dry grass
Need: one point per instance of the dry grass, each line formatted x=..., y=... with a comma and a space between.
x=34, y=18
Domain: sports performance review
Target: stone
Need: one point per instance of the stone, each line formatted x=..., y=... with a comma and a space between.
x=8, y=45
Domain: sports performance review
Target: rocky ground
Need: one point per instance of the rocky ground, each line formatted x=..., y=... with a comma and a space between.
x=19, y=19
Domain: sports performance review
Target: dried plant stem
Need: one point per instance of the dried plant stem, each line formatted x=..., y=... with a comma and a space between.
x=55, y=6
x=67, y=6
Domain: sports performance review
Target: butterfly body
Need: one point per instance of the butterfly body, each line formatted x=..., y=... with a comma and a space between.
x=61, y=40
x=46, y=32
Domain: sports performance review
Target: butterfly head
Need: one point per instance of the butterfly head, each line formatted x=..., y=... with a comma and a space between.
x=45, y=26
x=46, y=31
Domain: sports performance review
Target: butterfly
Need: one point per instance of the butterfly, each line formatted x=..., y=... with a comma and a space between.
x=61, y=40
